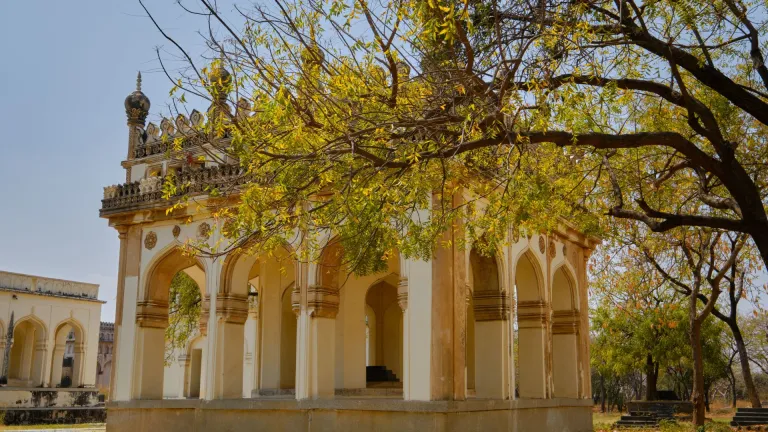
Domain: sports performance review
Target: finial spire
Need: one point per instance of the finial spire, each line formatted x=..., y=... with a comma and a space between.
x=138, y=82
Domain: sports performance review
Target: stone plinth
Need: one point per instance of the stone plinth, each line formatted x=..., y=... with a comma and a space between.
x=352, y=415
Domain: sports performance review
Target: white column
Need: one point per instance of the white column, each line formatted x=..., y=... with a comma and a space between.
x=252, y=336
x=56, y=364
x=317, y=307
x=417, y=332
x=491, y=344
x=402, y=301
x=212, y=276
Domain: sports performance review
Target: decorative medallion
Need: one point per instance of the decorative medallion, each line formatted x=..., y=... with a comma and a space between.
x=176, y=231
x=204, y=230
x=542, y=244
x=552, y=250
x=150, y=240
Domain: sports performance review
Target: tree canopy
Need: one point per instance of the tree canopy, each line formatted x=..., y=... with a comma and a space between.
x=351, y=114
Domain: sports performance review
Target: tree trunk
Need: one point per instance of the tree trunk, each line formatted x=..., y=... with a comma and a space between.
x=733, y=387
x=707, y=389
x=697, y=394
x=602, y=393
x=651, y=377
x=749, y=383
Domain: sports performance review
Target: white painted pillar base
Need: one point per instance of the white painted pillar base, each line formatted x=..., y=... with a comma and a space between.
x=148, y=363
x=229, y=361
x=323, y=349
x=491, y=365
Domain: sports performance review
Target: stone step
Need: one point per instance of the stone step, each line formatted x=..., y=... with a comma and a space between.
x=379, y=374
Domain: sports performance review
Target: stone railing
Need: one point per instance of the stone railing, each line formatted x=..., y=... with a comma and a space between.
x=148, y=192
x=188, y=131
x=43, y=285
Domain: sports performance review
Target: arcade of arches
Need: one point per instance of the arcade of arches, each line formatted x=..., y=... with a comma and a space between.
x=55, y=331
x=275, y=328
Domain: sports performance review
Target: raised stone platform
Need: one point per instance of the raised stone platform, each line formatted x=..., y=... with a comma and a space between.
x=25, y=406
x=352, y=415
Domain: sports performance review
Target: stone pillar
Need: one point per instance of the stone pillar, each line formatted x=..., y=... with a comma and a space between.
x=56, y=364
x=316, y=307
x=491, y=344
x=449, y=313
x=184, y=361
x=584, y=363
x=402, y=301
x=149, y=350
x=232, y=312
x=124, y=342
x=78, y=363
x=269, y=329
x=37, y=374
x=532, y=319
x=565, y=355
x=252, y=335
x=211, y=380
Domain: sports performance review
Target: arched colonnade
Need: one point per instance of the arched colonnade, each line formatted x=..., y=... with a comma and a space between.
x=275, y=327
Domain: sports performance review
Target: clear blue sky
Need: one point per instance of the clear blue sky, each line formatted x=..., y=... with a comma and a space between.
x=66, y=68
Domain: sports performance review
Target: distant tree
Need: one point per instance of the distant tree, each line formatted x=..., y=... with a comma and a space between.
x=185, y=306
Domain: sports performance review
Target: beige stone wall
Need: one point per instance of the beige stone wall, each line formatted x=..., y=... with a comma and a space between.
x=352, y=416
x=46, y=320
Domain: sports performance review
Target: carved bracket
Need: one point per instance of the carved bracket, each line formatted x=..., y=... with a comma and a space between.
x=322, y=302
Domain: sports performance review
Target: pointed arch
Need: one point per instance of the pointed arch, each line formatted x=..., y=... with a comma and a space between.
x=529, y=276
x=28, y=352
x=567, y=296
x=163, y=267
x=60, y=338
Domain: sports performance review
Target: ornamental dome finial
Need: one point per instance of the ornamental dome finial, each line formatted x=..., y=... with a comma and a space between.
x=137, y=105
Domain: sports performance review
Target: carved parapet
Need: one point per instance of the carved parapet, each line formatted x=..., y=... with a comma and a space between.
x=491, y=305
x=565, y=322
x=146, y=193
x=232, y=308
x=402, y=293
x=153, y=314
x=532, y=314
x=322, y=302
x=151, y=184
